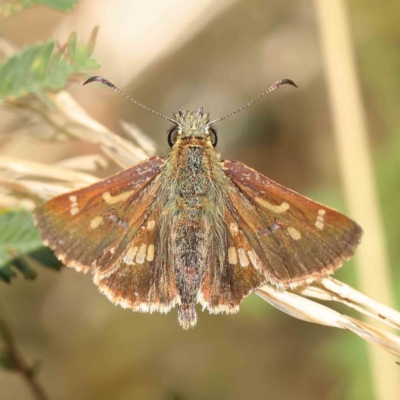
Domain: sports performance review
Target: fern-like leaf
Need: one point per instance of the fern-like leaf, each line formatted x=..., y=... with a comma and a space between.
x=20, y=243
x=60, y=5
x=15, y=6
x=43, y=67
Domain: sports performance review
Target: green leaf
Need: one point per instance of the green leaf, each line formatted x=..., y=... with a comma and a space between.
x=43, y=67
x=20, y=244
x=92, y=40
x=72, y=45
x=13, y=7
x=61, y=5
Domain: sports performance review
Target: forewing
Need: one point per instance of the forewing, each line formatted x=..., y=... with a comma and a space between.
x=112, y=226
x=93, y=226
x=295, y=239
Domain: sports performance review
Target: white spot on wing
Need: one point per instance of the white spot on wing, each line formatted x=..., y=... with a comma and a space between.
x=232, y=256
x=110, y=199
x=319, y=223
x=95, y=222
x=74, y=210
x=74, y=205
x=244, y=261
x=254, y=259
x=294, y=233
x=233, y=228
x=130, y=255
x=151, y=224
x=141, y=254
x=273, y=207
x=150, y=252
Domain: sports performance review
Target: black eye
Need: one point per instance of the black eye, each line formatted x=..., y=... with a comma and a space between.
x=213, y=136
x=172, y=136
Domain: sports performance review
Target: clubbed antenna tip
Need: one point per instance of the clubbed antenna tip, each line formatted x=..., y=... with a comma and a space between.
x=286, y=82
x=273, y=87
x=100, y=79
x=106, y=82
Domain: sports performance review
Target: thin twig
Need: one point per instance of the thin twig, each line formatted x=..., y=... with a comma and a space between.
x=19, y=364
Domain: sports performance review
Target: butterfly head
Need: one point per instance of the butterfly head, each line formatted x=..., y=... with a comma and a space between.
x=192, y=125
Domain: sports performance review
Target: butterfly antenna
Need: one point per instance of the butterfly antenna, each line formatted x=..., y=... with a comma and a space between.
x=106, y=82
x=273, y=87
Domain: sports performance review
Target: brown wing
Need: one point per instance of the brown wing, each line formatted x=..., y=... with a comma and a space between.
x=294, y=240
x=142, y=279
x=101, y=225
x=226, y=284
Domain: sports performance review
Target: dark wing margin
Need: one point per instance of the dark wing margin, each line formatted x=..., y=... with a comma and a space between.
x=295, y=240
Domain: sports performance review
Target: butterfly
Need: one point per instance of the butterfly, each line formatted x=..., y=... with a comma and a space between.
x=191, y=228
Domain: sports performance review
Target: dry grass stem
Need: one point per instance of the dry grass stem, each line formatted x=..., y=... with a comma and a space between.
x=12, y=201
x=310, y=311
x=86, y=128
x=333, y=290
x=148, y=145
x=33, y=168
x=89, y=163
x=42, y=190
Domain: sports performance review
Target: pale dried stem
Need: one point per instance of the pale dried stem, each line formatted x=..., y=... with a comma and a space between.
x=43, y=190
x=148, y=145
x=91, y=162
x=12, y=201
x=94, y=132
x=310, y=311
x=43, y=170
x=340, y=292
x=320, y=294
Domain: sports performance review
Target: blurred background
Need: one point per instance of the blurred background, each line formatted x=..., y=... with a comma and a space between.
x=218, y=55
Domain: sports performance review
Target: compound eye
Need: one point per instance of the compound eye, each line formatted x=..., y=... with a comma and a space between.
x=172, y=136
x=213, y=136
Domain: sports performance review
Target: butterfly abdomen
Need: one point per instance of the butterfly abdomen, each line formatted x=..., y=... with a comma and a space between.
x=189, y=248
